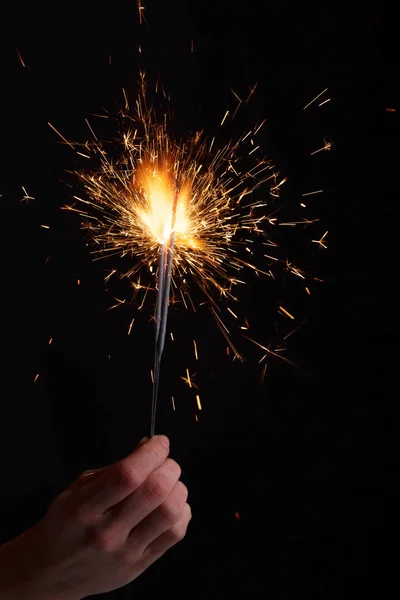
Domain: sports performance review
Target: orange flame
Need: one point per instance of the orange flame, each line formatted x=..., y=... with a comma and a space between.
x=157, y=188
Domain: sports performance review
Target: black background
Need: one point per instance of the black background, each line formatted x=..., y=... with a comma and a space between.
x=307, y=460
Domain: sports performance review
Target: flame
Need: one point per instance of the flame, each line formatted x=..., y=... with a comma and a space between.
x=157, y=214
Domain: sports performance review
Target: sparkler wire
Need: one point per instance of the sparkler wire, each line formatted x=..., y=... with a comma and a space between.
x=164, y=286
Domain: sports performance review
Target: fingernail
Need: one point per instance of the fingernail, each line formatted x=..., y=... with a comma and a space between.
x=164, y=441
x=143, y=440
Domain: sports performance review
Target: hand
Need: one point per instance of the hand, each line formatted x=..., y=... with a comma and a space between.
x=102, y=532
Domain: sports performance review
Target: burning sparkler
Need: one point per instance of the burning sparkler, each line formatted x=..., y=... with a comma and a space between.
x=183, y=211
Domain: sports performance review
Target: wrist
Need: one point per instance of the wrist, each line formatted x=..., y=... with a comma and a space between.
x=20, y=577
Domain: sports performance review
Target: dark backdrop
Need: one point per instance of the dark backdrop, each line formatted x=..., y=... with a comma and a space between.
x=306, y=460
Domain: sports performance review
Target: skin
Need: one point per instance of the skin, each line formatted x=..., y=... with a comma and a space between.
x=102, y=532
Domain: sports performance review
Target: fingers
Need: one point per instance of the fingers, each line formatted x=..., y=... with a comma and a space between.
x=152, y=493
x=169, y=538
x=89, y=475
x=120, y=480
x=165, y=517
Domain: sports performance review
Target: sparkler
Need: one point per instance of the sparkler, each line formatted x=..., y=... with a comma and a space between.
x=164, y=284
x=184, y=211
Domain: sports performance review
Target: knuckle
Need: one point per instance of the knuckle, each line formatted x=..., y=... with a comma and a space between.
x=155, y=454
x=127, y=476
x=157, y=485
x=81, y=514
x=100, y=539
x=172, y=508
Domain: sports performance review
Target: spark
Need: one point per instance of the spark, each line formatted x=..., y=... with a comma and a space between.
x=321, y=242
x=308, y=291
x=259, y=127
x=99, y=115
x=61, y=136
x=112, y=272
x=312, y=193
x=195, y=350
x=272, y=353
x=238, y=104
x=141, y=10
x=256, y=148
x=90, y=128
x=45, y=226
x=224, y=117
x=187, y=379
x=51, y=340
x=324, y=102
x=390, y=110
x=327, y=147
x=126, y=99
x=263, y=372
x=316, y=98
x=252, y=90
x=294, y=270
x=36, y=378
x=130, y=326
x=119, y=302
x=246, y=326
x=276, y=187
x=26, y=197
x=173, y=402
x=295, y=329
x=198, y=402
x=286, y=312
x=302, y=222
x=20, y=58
x=237, y=516
x=246, y=136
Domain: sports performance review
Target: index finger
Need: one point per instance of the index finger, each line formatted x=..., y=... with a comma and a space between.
x=119, y=480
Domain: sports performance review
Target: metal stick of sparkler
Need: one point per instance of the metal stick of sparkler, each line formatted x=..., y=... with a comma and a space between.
x=164, y=285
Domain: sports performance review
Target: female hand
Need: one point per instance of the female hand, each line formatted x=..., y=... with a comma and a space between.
x=102, y=532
